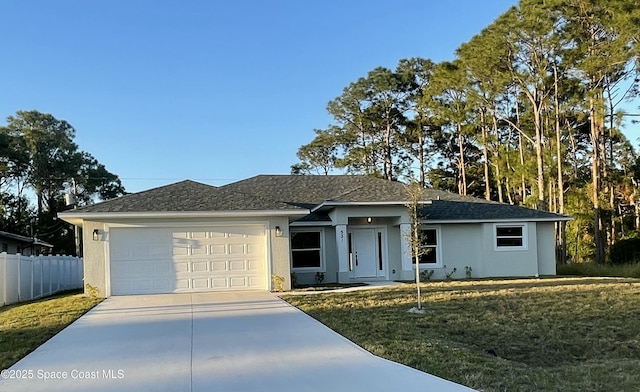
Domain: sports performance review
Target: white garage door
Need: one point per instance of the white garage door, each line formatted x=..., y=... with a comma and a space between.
x=182, y=259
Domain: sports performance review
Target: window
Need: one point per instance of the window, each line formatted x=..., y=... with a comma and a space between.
x=306, y=250
x=5, y=247
x=511, y=237
x=429, y=246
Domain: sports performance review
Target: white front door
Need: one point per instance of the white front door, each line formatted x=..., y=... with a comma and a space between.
x=364, y=254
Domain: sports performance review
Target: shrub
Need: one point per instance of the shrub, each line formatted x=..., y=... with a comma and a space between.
x=426, y=275
x=625, y=251
x=592, y=269
x=277, y=283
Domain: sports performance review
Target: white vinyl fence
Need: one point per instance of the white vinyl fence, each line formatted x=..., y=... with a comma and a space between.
x=23, y=278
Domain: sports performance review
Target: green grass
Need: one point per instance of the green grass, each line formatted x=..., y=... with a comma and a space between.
x=25, y=326
x=593, y=269
x=558, y=334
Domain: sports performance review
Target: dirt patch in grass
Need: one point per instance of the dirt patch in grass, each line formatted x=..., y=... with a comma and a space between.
x=327, y=286
x=25, y=326
x=514, y=335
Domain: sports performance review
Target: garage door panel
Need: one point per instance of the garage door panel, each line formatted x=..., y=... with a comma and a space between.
x=237, y=282
x=218, y=250
x=219, y=283
x=199, y=249
x=159, y=260
x=200, y=283
x=234, y=249
x=255, y=281
x=237, y=265
x=253, y=265
x=219, y=266
x=200, y=266
x=178, y=266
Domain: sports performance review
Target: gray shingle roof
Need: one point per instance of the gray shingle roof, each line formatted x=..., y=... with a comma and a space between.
x=444, y=210
x=291, y=192
x=310, y=191
x=186, y=196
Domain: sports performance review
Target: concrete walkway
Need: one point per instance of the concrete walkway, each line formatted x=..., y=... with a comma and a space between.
x=250, y=341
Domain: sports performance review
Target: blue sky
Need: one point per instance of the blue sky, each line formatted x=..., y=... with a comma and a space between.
x=161, y=91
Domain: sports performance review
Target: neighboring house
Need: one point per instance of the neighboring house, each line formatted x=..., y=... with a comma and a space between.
x=26, y=246
x=192, y=237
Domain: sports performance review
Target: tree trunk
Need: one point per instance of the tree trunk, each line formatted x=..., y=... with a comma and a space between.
x=462, y=189
x=387, y=159
x=497, y=161
x=523, y=189
x=595, y=181
x=485, y=155
x=421, y=159
x=560, y=226
x=542, y=205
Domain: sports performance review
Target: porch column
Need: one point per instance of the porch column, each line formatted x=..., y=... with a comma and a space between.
x=407, y=272
x=342, y=243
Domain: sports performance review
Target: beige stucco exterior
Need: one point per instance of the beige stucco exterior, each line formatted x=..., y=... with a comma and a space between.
x=96, y=253
x=546, y=248
x=473, y=245
x=465, y=246
x=460, y=245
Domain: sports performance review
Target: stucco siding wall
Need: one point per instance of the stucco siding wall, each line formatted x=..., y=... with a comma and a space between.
x=331, y=255
x=459, y=248
x=94, y=254
x=509, y=262
x=280, y=265
x=394, y=252
x=389, y=214
x=546, y=248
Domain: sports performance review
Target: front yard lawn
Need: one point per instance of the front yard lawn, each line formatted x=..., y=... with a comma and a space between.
x=557, y=334
x=25, y=326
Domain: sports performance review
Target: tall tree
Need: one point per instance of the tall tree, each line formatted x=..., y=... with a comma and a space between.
x=319, y=156
x=484, y=60
x=50, y=148
x=450, y=87
x=420, y=119
x=605, y=41
x=39, y=152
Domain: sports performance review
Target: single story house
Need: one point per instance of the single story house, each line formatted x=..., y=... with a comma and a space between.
x=27, y=246
x=190, y=236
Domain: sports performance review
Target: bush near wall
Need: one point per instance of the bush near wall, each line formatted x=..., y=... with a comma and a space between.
x=625, y=251
x=592, y=269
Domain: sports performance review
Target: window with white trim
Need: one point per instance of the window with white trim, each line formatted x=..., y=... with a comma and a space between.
x=429, y=246
x=306, y=250
x=510, y=237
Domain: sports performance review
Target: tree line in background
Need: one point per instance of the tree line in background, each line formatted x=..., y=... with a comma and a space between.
x=39, y=164
x=530, y=112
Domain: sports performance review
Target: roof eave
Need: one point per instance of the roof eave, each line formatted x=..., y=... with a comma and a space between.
x=76, y=218
x=331, y=204
x=489, y=220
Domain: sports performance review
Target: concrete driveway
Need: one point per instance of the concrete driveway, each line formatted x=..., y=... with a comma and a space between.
x=249, y=341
